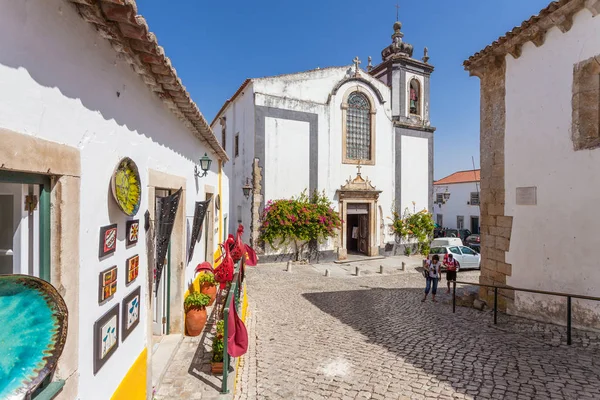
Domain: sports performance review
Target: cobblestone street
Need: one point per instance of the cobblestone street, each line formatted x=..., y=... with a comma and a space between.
x=313, y=337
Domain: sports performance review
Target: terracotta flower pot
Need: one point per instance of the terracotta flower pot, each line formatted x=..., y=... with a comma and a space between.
x=210, y=290
x=216, y=368
x=195, y=319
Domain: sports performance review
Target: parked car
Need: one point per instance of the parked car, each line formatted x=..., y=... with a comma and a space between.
x=445, y=232
x=467, y=258
x=474, y=242
x=446, y=241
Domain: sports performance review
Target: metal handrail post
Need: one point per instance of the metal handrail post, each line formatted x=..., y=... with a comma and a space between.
x=453, y=297
x=229, y=300
x=569, y=320
x=495, y=305
x=225, y=355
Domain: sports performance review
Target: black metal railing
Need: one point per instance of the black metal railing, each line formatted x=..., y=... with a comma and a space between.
x=569, y=297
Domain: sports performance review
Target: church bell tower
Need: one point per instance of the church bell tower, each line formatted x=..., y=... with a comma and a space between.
x=409, y=80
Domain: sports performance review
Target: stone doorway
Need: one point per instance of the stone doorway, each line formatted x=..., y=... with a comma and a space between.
x=357, y=222
x=358, y=210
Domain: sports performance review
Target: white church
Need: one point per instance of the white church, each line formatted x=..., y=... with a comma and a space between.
x=363, y=137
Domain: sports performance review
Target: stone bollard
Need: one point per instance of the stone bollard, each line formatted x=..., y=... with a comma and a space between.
x=289, y=266
x=403, y=265
x=357, y=273
x=326, y=272
x=381, y=269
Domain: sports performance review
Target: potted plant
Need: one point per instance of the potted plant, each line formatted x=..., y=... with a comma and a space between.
x=216, y=362
x=195, y=312
x=207, y=283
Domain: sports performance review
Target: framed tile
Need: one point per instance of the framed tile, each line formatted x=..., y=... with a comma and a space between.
x=132, y=232
x=132, y=269
x=131, y=312
x=107, y=284
x=106, y=337
x=108, y=240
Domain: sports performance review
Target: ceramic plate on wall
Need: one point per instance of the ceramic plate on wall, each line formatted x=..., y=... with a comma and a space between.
x=126, y=187
x=33, y=334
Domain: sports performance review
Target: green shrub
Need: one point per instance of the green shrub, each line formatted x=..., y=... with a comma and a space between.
x=196, y=300
x=206, y=277
x=418, y=226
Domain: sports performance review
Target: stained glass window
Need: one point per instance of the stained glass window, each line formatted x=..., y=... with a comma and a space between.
x=358, y=127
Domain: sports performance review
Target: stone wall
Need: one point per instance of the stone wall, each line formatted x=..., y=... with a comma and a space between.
x=495, y=226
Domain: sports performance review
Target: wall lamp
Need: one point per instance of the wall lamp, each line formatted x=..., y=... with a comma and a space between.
x=205, y=162
x=247, y=188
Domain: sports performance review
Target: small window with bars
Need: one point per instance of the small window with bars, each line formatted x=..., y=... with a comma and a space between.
x=358, y=127
x=439, y=198
x=460, y=222
x=474, y=198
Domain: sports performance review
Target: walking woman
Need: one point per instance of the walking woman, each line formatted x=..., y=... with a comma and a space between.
x=433, y=275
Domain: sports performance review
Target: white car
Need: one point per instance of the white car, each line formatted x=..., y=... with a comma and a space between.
x=466, y=257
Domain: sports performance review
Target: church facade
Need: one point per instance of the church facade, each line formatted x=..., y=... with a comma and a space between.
x=363, y=137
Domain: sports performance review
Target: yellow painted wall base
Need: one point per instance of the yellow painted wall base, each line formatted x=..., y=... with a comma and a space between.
x=244, y=313
x=133, y=386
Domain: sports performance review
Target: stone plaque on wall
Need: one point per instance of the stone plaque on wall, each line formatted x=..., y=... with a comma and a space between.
x=527, y=196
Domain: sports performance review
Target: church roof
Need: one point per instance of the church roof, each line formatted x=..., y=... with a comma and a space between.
x=250, y=80
x=460, y=177
x=557, y=13
x=129, y=35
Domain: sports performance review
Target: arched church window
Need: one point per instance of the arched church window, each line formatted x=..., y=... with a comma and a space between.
x=415, y=97
x=358, y=127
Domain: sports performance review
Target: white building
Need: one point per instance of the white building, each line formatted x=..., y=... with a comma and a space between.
x=456, y=201
x=310, y=130
x=540, y=152
x=82, y=86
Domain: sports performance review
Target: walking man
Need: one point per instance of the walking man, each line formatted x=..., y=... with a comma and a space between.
x=451, y=268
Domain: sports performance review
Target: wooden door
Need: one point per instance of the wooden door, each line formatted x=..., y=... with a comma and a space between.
x=363, y=233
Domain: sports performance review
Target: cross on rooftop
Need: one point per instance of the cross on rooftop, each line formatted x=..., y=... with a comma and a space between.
x=397, y=11
x=356, y=61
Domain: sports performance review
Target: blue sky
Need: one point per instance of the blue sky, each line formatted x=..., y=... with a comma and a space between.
x=215, y=45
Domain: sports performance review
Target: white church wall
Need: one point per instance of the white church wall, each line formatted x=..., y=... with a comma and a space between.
x=71, y=98
x=415, y=174
x=382, y=173
x=287, y=165
x=312, y=85
x=551, y=241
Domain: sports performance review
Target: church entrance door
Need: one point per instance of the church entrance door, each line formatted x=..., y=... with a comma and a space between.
x=363, y=234
x=357, y=217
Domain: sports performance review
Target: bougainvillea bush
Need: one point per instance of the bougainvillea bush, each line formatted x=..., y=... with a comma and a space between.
x=297, y=221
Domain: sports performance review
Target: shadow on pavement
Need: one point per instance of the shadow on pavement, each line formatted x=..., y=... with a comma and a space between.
x=464, y=349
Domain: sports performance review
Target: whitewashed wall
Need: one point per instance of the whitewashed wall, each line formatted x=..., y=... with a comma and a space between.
x=59, y=81
x=287, y=145
x=553, y=243
x=457, y=204
x=240, y=120
x=309, y=92
x=415, y=174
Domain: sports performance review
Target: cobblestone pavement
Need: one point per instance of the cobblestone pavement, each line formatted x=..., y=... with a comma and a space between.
x=313, y=337
x=188, y=375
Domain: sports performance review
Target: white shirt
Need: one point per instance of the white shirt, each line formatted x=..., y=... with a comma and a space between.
x=434, y=269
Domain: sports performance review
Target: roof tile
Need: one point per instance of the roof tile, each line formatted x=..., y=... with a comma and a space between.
x=129, y=35
x=460, y=177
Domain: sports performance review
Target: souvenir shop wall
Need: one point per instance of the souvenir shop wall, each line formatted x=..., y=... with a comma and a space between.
x=75, y=129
